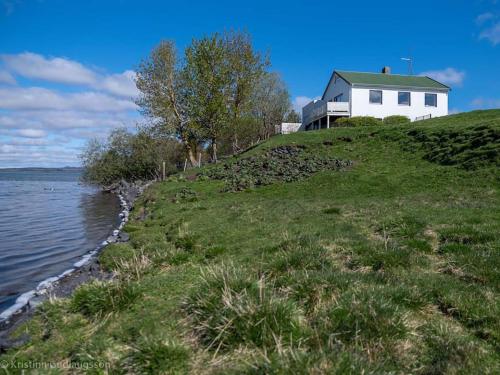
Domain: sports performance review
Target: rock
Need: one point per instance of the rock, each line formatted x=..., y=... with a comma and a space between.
x=123, y=237
x=111, y=239
x=6, y=344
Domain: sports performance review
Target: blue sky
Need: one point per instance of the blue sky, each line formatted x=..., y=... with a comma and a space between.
x=66, y=67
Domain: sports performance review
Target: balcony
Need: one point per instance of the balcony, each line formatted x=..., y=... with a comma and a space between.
x=318, y=109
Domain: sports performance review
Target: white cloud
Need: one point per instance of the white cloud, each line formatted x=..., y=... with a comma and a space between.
x=55, y=69
x=486, y=103
x=448, y=76
x=62, y=70
x=42, y=156
x=300, y=101
x=32, y=133
x=484, y=17
x=48, y=127
x=121, y=84
x=28, y=142
x=19, y=98
x=66, y=129
x=6, y=77
x=492, y=34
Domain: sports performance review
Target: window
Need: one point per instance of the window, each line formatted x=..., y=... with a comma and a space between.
x=338, y=98
x=404, y=98
x=376, y=96
x=430, y=100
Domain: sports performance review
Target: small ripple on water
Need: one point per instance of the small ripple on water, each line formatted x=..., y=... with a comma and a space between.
x=43, y=231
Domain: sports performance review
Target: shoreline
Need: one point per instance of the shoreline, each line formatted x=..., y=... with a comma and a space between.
x=83, y=270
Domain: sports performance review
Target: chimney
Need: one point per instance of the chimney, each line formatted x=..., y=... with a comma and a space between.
x=386, y=70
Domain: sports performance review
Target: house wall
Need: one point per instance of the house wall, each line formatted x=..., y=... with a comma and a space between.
x=289, y=127
x=361, y=106
x=339, y=87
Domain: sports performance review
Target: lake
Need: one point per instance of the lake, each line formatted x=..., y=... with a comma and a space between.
x=48, y=221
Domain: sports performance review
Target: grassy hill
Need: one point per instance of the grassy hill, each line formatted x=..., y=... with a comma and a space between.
x=372, y=249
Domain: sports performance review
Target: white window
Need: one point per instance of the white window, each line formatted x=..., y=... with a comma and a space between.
x=404, y=98
x=430, y=100
x=376, y=96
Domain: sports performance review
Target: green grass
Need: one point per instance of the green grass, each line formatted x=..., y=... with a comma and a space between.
x=388, y=266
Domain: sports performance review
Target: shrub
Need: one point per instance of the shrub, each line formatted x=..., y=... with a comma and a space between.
x=331, y=211
x=129, y=156
x=448, y=350
x=302, y=254
x=187, y=243
x=302, y=362
x=362, y=316
x=185, y=195
x=358, y=121
x=97, y=298
x=396, y=119
x=230, y=309
x=114, y=254
x=152, y=356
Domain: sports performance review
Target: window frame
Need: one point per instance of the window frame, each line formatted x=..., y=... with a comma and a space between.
x=409, y=98
x=381, y=97
x=434, y=95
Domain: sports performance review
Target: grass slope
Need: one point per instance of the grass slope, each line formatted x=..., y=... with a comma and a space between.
x=388, y=266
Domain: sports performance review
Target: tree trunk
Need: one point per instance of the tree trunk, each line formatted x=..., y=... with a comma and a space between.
x=189, y=151
x=236, y=148
x=214, y=150
x=191, y=156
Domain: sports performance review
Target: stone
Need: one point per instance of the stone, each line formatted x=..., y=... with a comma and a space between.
x=123, y=237
x=6, y=344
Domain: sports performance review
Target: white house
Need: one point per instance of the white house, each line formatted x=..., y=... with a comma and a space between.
x=288, y=127
x=379, y=95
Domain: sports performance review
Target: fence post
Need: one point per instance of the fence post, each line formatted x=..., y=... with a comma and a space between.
x=163, y=171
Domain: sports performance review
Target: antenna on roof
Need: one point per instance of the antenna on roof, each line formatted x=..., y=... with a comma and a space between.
x=409, y=60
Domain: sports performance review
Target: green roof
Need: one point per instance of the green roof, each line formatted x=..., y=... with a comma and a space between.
x=357, y=78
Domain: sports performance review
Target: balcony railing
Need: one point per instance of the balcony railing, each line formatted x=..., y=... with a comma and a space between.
x=320, y=108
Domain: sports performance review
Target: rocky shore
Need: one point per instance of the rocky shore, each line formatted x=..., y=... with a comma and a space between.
x=85, y=269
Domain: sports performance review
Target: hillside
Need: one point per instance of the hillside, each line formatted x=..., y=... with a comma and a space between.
x=372, y=249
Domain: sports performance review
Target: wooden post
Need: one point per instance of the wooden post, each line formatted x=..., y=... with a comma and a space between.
x=163, y=171
x=199, y=159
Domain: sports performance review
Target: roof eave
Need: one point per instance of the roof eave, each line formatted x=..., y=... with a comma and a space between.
x=330, y=81
x=445, y=88
x=432, y=79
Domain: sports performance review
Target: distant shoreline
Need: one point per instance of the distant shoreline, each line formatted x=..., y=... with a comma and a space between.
x=31, y=169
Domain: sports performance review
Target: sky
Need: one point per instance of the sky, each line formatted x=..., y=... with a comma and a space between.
x=67, y=67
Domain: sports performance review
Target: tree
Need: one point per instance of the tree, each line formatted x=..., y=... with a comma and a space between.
x=207, y=81
x=271, y=102
x=128, y=156
x=246, y=68
x=160, y=80
x=293, y=116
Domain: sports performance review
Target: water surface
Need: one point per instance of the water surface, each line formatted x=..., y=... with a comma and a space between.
x=48, y=220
